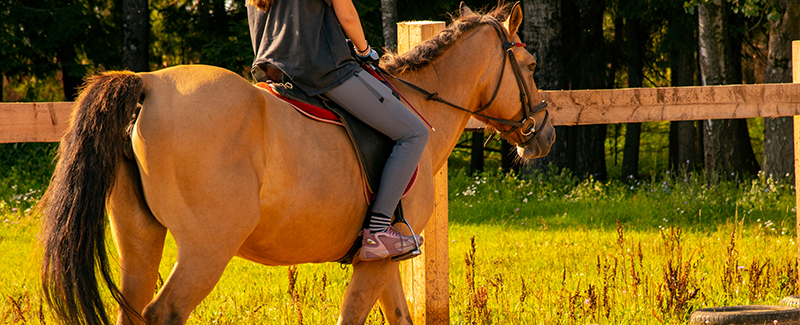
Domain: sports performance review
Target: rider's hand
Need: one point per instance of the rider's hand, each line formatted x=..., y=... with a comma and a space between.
x=370, y=58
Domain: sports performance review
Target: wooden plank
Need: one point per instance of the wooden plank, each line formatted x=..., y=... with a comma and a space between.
x=796, y=120
x=411, y=33
x=672, y=103
x=30, y=122
x=33, y=122
x=426, y=278
x=581, y=107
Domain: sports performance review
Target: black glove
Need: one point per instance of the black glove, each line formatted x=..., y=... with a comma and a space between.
x=372, y=57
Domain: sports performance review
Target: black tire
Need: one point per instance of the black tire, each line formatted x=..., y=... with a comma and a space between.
x=791, y=301
x=746, y=315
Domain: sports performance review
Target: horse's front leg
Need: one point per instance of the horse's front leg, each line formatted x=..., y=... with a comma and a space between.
x=393, y=302
x=368, y=281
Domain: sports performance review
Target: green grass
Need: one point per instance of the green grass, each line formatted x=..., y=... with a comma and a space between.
x=560, y=200
x=591, y=276
x=550, y=249
x=25, y=170
x=556, y=249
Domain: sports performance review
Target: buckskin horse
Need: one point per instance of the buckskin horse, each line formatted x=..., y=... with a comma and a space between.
x=231, y=170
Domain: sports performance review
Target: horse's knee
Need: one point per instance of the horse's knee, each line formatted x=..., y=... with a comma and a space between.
x=158, y=315
x=399, y=317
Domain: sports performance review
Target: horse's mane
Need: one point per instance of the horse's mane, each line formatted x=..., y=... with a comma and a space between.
x=423, y=54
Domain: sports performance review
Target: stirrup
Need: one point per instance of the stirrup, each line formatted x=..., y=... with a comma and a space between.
x=412, y=253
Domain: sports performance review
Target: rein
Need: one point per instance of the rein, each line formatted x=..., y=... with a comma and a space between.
x=524, y=93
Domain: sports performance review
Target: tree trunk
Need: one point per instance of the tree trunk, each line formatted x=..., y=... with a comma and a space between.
x=509, y=159
x=542, y=31
x=682, y=149
x=72, y=72
x=727, y=143
x=135, y=32
x=476, y=153
x=635, y=38
x=778, y=132
x=716, y=57
x=590, y=139
x=389, y=19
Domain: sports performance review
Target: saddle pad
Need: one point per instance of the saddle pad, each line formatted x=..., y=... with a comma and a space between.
x=372, y=147
x=312, y=111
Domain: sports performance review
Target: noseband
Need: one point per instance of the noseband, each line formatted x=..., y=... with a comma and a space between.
x=528, y=133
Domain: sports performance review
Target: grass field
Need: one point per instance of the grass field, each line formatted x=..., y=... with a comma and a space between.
x=549, y=250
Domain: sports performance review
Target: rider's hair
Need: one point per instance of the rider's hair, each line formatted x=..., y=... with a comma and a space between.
x=261, y=4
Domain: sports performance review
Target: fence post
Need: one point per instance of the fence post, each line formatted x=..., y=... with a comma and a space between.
x=796, y=79
x=426, y=279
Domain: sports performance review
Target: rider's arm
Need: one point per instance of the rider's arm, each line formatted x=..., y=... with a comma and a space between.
x=351, y=24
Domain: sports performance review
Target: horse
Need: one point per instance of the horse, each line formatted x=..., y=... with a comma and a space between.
x=231, y=170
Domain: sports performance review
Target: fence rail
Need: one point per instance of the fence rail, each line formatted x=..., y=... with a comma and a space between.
x=33, y=122
x=45, y=122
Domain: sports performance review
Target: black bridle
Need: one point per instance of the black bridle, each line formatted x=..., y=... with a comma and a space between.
x=528, y=111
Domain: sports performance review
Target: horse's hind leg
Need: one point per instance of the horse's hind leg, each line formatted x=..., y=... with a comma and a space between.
x=194, y=276
x=208, y=233
x=393, y=301
x=202, y=258
x=140, y=242
x=368, y=281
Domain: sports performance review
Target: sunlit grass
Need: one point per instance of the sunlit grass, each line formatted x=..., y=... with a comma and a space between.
x=584, y=275
x=549, y=249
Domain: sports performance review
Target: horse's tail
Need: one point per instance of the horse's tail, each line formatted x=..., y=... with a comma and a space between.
x=74, y=222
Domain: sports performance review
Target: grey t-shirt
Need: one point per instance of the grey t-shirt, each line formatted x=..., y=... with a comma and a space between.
x=304, y=39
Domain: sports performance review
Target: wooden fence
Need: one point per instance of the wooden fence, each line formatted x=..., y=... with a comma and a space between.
x=426, y=278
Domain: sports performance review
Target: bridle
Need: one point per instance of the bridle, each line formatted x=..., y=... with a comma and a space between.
x=528, y=111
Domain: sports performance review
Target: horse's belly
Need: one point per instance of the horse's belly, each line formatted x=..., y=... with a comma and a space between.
x=312, y=200
x=305, y=227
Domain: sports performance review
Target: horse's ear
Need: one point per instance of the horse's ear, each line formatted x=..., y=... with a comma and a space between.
x=465, y=11
x=512, y=23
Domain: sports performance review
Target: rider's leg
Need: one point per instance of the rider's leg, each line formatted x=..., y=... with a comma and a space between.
x=372, y=102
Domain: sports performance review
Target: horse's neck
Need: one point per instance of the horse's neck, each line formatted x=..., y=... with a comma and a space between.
x=455, y=80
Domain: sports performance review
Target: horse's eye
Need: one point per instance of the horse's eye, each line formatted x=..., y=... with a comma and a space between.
x=532, y=66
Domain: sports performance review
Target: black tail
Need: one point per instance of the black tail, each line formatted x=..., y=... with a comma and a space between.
x=74, y=222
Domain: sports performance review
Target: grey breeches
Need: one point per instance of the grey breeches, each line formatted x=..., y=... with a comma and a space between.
x=373, y=103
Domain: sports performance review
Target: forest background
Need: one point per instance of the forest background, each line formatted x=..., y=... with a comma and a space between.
x=48, y=46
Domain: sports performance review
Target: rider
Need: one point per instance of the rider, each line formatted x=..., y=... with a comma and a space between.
x=304, y=42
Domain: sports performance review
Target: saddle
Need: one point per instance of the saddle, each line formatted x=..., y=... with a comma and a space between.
x=371, y=146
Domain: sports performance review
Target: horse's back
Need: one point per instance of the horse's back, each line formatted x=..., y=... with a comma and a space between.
x=198, y=104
